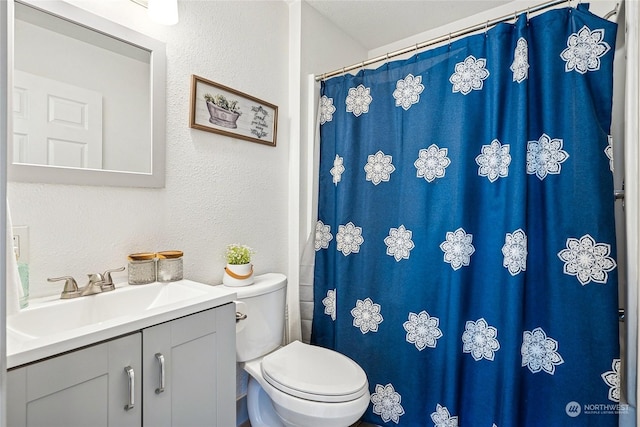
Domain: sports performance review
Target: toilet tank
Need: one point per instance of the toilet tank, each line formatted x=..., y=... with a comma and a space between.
x=264, y=304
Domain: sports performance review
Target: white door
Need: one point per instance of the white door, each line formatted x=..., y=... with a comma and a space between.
x=56, y=123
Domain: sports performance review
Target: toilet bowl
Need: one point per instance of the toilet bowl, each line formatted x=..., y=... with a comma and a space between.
x=308, y=386
x=298, y=385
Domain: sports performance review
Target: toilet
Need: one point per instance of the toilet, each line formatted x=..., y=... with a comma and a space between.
x=298, y=385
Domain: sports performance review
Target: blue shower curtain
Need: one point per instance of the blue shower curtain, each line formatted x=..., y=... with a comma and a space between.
x=465, y=246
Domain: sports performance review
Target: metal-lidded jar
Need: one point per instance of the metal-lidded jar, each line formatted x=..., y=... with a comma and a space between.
x=169, y=266
x=142, y=268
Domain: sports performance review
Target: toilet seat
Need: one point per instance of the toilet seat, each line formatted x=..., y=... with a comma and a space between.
x=314, y=373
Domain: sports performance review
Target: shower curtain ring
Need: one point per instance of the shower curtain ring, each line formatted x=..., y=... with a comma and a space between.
x=486, y=27
x=449, y=39
x=416, y=47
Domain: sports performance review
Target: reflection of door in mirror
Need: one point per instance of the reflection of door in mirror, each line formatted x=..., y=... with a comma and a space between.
x=56, y=124
x=85, y=96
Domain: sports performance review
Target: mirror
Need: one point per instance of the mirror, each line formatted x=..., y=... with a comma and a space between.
x=88, y=99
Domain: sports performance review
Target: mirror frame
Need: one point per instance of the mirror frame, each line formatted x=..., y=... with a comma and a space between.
x=61, y=175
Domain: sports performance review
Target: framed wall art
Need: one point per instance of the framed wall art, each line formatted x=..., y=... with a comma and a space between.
x=220, y=109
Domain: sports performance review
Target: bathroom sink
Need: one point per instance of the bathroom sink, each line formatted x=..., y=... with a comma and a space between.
x=50, y=325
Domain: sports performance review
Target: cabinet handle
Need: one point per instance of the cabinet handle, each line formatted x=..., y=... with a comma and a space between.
x=160, y=358
x=132, y=387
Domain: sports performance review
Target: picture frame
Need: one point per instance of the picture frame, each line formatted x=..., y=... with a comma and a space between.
x=220, y=109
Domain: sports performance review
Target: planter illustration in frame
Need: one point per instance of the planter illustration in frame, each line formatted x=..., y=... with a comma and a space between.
x=220, y=109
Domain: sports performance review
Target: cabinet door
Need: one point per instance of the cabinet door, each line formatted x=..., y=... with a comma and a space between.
x=198, y=357
x=87, y=387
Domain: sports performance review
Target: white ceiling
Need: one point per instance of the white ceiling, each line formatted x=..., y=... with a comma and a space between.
x=376, y=23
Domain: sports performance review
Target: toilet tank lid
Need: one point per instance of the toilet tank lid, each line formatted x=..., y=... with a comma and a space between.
x=263, y=284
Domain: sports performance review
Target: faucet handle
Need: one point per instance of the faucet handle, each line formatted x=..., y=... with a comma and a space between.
x=108, y=281
x=70, y=286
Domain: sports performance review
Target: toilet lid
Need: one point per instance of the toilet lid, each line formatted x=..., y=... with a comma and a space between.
x=314, y=373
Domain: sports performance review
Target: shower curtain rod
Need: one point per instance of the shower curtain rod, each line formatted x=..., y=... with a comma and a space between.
x=446, y=37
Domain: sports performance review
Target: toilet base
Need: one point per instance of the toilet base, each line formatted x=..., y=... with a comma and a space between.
x=260, y=407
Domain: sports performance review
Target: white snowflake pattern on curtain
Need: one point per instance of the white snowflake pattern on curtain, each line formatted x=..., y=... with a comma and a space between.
x=458, y=248
x=612, y=379
x=408, y=91
x=494, y=161
x=608, y=151
x=326, y=109
x=422, y=330
x=358, y=100
x=469, y=75
x=539, y=352
x=379, y=168
x=432, y=162
x=323, y=236
x=387, y=403
x=587, y=260
x=366, y=315
x=545, y=156
x=349, y=238
x=329, y=303
x=442, y=418
x=520, y=65
x=515, y=252
x=480, y=340
x=338, y=169
x=584, y=50
x=399, y=243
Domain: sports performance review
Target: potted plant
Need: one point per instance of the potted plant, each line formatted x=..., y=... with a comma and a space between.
x=223, y=112
x=239, y=270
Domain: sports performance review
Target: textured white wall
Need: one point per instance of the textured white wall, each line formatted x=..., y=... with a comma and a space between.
x=219, y=190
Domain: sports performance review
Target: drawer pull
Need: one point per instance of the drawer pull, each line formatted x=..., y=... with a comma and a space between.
x=132, y=387
x=160, y=358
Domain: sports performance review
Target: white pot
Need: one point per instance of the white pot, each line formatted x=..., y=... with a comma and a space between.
x=238, y=275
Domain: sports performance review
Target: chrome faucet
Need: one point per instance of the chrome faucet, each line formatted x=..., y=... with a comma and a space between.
x=94, y=286
x=97, y=284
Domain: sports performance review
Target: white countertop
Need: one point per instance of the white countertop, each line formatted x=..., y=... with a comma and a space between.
x=51, y=326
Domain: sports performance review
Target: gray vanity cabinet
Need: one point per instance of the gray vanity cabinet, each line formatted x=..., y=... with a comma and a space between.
x=198, y=356
x=90, y=387
x=87, y=387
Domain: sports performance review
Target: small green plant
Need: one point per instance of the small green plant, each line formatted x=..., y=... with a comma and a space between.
x=223, y=102
x=238, y=254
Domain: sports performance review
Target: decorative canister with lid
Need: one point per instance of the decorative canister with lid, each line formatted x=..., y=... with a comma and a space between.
x=142, y=268
x=169, y=266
